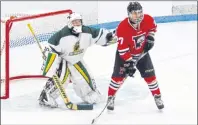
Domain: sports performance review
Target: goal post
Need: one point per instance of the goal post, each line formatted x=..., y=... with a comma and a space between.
x=20, y=57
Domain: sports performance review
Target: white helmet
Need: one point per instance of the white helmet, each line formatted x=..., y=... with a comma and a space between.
x=72, y=17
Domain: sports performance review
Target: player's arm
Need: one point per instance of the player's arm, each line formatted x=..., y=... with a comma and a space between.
x=54, y=42
x=101, y=36
x=123, y=47
x=152, y=28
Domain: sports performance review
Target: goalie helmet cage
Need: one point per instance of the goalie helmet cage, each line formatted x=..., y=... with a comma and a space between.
x=10, y=25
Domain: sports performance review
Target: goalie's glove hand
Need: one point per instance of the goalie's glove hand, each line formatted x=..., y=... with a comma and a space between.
x=149, y=43
x=110, y=35
x=111, y=38
x=129, y=67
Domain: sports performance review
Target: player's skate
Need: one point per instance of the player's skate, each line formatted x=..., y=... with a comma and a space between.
x=48, y=95
x=159, y=101
x=110, y=100
x=43, y=98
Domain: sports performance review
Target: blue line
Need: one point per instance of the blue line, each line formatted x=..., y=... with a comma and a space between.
x=177, y=18
x=159, y=19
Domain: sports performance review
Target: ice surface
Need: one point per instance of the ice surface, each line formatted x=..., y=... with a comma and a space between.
x=175, y=60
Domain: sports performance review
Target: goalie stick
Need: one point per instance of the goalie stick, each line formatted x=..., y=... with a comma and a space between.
x=96, y=118
x=58, y=84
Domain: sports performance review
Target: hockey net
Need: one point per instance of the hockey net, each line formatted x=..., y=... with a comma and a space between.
x=20, y=55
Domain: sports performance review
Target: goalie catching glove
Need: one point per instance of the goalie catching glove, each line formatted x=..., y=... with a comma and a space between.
x=111, y=38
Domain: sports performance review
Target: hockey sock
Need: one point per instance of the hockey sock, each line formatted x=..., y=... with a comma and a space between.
x=114, y=85
x=153, y=85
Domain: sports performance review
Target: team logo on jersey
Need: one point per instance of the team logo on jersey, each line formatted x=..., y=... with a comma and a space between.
x=76, y=49
x=139, y=40
x=77, y=46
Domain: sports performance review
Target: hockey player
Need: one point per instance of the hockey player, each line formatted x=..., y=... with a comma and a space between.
x=68, y=47
x=135, y=36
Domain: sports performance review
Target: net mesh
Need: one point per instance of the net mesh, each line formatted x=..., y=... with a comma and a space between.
x=24, y=53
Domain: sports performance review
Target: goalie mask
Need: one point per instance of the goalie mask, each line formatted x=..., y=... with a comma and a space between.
x=135, y=12
x=75, y=23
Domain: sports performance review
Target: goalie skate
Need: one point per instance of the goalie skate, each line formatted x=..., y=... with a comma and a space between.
x=45, y=101
x=48, y=95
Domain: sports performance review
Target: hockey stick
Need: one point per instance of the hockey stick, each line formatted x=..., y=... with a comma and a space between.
x=96, y=118
x=58, y=84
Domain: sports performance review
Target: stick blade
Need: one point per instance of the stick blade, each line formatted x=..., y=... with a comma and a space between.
x=85, y=106
x=93, y=121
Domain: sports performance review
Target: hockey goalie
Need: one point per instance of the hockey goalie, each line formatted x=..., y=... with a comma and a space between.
x=65, y=58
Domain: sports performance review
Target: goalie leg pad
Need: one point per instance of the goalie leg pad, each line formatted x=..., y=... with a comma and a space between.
x=52, y=64
x=64, y=73
x=87, y=94
x=93, y=97
x=83, y=83
x=50, y=92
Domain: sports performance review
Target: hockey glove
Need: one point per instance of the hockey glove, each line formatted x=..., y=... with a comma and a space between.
x=129, y=67
x=110, y=36
x=149, y=43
